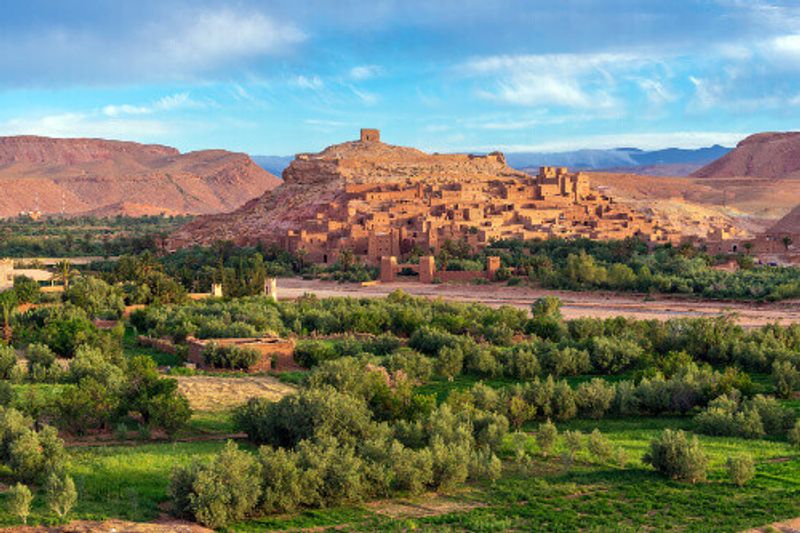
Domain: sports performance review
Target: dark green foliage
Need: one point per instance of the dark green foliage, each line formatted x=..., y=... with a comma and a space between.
x=96, y=297
x=230, y=357
x=216, y=494
x=677, y=457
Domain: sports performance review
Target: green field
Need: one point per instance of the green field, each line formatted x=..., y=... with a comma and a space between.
x=130, y=482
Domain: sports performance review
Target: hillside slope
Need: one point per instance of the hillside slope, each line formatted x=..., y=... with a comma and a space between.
x=760, y=156
x=82, y=176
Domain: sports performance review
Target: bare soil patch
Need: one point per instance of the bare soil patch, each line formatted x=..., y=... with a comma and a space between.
x=212, y=393
x=431, y=505
x=116, y=526
x=787, y=526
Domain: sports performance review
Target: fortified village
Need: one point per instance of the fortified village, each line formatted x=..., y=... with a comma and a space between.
x=383, y=201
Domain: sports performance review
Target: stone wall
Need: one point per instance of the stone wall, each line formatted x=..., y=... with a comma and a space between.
x=281, y=349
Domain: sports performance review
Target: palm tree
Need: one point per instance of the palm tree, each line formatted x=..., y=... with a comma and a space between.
x=787, y=241
x=8, y=304
x=65, y=272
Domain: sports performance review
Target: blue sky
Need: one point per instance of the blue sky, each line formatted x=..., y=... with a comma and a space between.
x=278, y=77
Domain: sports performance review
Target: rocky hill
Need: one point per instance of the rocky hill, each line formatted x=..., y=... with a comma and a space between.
x=762, y=156
x=95, y=176
x=313, y=181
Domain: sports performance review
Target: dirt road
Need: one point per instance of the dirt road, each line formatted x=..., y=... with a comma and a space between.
x=575, y=304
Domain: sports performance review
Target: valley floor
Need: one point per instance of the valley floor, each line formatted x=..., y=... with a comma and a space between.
x=575, y=304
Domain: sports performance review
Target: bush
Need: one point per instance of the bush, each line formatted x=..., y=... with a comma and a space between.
x=724, y=417
x=794, y=434
x=417, y=367
x=613, y=355
x=599, y=446
x=450, y=362
x=283, y=483
x=521, y=362
x=676, y=457
x=221, y=492
x=309, y=353
x=594, y=398
x=546, y=436
x=19, y=501
x=60, y=494
x=96, y=297
x=8, y=360
x=785, y=377
x=230, y=357
x=41, y=363
x=741, y=470
x=307, y=414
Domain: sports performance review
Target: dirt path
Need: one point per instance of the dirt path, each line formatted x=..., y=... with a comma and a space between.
x=575, y=304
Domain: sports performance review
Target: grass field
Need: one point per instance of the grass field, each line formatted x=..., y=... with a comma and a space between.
x=129, y=480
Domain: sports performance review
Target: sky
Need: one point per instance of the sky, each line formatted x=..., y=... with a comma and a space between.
x=276, y=77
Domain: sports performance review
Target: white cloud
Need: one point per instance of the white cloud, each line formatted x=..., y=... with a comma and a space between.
x=85, y=125
x=365, y=97
x=214, y=37
x=570, y=80
x=657, y=93
x=364, y=72
x=706, y=94
x=181, y=44
x=165, y=103
x=309, y=82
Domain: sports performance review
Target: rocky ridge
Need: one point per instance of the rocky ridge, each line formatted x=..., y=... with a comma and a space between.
x=96, y=176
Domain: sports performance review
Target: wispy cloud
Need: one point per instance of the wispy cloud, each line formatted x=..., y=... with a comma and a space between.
x=308, y=82
x=165, y=103
x=87, y=125
x=566, y=80
x=189, y=43
x=364, y=72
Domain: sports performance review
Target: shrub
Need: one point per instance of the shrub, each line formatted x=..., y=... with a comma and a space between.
x=776, y=418
x=613, y=355
x=599, y=446
x=309, y=353
x=412, y=470
x=41, y=363
x=594, y=398
x=676, y=457
x=417, y=367
x=96, y=297
x=785, y=377
x=231, y=357
x=8, y=360
x=282, y=481
x=546, y=436
x=19, y=502
x=574, y=441
x=218, y=493
x=520, y=362
x=307, y=414
x=450, y=362
x=60, y=494
x=724, y=417
x=567, y=361
x=741, y=470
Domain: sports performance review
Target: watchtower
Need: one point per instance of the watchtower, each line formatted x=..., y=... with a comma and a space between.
x=370, y=135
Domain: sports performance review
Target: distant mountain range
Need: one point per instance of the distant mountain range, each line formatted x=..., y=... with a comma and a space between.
x=667, y=162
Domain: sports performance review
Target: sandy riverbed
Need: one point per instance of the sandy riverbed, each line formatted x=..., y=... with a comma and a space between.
x=575, y=304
